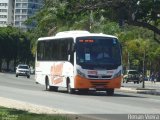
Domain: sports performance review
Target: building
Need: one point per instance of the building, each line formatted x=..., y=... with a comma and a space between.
x=25, y=9
x=6, y=12
x=15, y=12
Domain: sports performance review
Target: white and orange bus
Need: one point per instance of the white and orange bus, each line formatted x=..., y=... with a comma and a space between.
x=69, y=59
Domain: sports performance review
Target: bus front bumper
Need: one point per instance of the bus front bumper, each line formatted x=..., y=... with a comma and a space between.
x=98, y=84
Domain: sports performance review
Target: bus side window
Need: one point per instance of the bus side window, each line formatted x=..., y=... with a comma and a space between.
x=70, y=50
x=48, y=50
x=40, y=50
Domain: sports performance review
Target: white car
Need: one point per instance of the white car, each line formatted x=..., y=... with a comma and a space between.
x=23, y=70
x=131, y=76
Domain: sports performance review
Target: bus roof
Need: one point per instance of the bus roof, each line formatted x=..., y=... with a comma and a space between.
x=74, y=34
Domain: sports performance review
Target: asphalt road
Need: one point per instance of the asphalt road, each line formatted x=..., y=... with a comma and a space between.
x=97, y=104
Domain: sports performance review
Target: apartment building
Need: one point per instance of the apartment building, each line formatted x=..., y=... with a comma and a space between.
x=6, y=12
x=15, y=12
x=25, y=9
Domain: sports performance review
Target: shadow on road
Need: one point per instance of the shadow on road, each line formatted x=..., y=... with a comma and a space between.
x=93, y=93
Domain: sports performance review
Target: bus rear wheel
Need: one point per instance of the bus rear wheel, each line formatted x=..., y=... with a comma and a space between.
x=48, y=87
x=51, y=88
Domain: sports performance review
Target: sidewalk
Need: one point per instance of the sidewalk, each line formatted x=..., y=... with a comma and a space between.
x=150, y=88
x=140, y=91
x=152, y=83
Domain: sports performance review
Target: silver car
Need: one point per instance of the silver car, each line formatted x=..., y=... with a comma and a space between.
x=131, y=76
x=23, y=70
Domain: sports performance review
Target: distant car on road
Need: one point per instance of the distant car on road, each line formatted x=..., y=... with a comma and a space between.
x=131, y=76
x=23, y=70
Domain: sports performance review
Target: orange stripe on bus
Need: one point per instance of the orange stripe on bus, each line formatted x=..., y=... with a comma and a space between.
x=56, y=72
x=81, y=82
x=57, y=80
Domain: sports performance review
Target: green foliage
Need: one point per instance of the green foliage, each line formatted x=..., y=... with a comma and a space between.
x=103, y=16
x=14, y=114
x=14, y=45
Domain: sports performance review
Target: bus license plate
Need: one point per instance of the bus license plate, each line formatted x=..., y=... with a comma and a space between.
x=99, y=86
x=92, y=88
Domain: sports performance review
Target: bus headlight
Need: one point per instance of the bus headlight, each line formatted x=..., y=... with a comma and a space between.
x=118, y=74
x=80, y=73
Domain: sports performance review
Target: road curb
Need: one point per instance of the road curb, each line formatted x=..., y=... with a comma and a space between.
x=39, y=109
x=33, y=108
x=151, y=92
x=140, y=90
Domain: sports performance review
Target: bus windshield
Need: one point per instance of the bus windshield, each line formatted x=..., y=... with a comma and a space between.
x=98, y=52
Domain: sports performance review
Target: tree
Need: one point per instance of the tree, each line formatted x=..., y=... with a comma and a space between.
x=57, y=14
x=142, y=13
x=14, y=45
x=127, y=19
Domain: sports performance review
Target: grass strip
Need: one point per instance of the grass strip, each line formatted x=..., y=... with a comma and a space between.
x=14, y=114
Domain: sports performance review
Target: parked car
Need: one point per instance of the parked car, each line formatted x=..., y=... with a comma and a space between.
x=23, y=70
x=131, y=76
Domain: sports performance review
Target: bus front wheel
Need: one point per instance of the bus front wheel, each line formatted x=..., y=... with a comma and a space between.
x=69, y=89
x=110, y=92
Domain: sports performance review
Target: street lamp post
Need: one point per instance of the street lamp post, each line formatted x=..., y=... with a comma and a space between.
x=128, y=61
x=143, y=84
